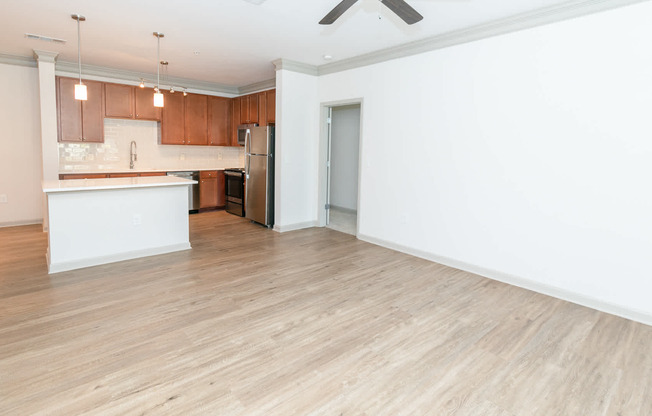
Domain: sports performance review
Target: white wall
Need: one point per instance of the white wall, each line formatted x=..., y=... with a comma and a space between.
x=345, y=144
x=528, y=157
x=296, y=151
x=20, y=146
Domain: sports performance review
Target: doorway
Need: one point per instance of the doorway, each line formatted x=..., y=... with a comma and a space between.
x=342, y=166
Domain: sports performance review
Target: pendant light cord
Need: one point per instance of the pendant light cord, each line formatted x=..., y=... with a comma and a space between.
x=158, y=63
x=79, y=47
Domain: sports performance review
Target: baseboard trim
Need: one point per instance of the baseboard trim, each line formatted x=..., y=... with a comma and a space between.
x=347, y=210
x=549, y=290
x=96, y=261
x=19, y=223
x=296, y=226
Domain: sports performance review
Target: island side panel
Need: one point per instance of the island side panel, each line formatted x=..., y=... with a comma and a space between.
x=102, y=226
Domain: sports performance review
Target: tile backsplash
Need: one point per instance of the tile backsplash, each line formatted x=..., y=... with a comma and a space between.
x=113, y=154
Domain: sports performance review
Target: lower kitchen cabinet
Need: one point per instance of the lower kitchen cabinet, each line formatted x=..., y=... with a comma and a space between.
x=123, y=175
x=211, y=189
x=66, y=176
x=152, y=174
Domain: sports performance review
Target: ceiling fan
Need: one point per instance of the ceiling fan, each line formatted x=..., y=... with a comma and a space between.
x=400, y=7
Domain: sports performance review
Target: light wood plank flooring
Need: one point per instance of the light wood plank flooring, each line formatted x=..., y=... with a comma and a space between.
x=310, y=322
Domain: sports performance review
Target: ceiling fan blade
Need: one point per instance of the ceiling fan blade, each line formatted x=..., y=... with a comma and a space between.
x=403, y=10
x=337, y=12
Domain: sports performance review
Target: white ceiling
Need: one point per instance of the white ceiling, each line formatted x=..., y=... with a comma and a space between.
x=232, y=42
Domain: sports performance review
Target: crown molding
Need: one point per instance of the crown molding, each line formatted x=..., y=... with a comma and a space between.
x=71, y=68
x=515, y=23
x=258, y=86
x=295, y=66
x=45, y=56
x=18, y=60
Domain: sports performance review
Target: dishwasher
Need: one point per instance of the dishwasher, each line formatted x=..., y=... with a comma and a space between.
x=193, y=190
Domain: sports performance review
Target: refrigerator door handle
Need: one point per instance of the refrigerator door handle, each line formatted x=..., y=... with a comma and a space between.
x=247, y=155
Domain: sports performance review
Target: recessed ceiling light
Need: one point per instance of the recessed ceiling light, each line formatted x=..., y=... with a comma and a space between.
x=327, y=57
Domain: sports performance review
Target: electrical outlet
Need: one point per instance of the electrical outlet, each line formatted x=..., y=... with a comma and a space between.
x=219, y=156
x=138, y=219
x=182, y=156
x=3, y=199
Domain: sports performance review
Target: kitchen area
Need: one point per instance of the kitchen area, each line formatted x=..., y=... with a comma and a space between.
x=117, y=141
x=117, y=132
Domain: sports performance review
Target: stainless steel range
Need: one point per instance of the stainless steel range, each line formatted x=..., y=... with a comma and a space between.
x=234, y=185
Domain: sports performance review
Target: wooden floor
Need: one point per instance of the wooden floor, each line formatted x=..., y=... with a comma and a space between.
x=310, y=322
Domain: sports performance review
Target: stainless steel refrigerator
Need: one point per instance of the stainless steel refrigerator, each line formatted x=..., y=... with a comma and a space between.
x=259, y=173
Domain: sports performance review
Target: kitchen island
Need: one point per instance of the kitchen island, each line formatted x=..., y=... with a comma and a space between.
x=98, y=221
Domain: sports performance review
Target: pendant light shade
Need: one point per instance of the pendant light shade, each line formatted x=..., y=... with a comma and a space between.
x=80, y=89
x=80, y=92
x=158, y=96
x=158, y=99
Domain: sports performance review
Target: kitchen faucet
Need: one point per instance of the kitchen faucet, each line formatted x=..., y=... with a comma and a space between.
x=133, y=156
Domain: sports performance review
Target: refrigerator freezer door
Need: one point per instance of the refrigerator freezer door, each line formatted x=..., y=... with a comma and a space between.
x=260, y=141
x=257, y=190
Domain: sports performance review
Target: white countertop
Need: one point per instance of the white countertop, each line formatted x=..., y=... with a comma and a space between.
x=74, y=185
x=137, y=170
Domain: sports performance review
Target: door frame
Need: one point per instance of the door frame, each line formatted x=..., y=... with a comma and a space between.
x=324, y=150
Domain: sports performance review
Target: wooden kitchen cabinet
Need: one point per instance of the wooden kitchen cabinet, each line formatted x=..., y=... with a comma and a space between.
x=219, y=121
x=196, y=119
x=127, y=101
x=66, y=176
x=173, y=119
x=262, y=108
x=249, y=109
x=211, y=189
x=152, y=174
x=80, y=121
x=270, y=99
x=123, y=175
x=184, y=120
x=118, y=101
x=235, y=117
x=208, y=189
x=144, y=105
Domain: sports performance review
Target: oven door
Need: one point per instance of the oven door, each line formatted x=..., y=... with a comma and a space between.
x=234, y=186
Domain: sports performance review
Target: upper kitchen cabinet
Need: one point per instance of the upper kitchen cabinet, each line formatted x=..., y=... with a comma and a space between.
x=118, y=101
x=184, y=120
x=126, y=101
x=144, y=105
x=219, y=121
x=80, y=121
x=196, y=119
x=235, y=120
x=249, y=109
x=270, y=98
x=173, y=119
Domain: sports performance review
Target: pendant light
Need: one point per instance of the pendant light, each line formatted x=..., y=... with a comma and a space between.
x=158, y=96
x=80, y=89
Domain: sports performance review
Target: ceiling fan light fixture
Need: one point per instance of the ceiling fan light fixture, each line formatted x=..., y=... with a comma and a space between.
x=81, y=93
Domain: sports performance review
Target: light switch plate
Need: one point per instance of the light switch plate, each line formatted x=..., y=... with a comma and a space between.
x=3, y=199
